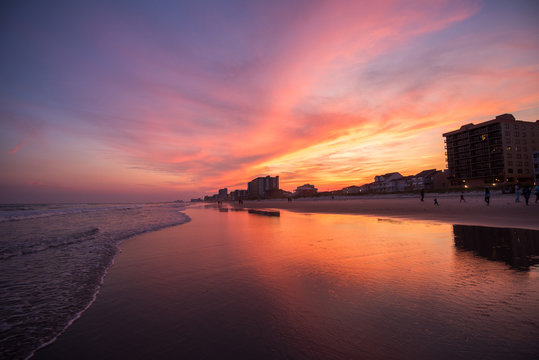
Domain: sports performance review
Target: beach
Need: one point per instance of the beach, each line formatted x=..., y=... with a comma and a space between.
x=308, y=285
x=503, y=211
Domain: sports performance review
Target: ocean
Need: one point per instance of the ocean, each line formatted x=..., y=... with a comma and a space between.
x=53, y=258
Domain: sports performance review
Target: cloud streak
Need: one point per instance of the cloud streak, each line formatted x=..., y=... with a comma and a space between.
x=195, y=97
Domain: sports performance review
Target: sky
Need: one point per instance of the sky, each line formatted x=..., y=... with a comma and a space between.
x=126, y=101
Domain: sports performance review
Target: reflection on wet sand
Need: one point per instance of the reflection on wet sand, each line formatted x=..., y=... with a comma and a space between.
x=516, y=247
x=324, y=286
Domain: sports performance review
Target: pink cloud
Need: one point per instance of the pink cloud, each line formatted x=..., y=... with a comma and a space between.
x=17, y=148
x=333, y=91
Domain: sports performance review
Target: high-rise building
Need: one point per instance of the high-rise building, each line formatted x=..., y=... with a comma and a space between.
x=495, y=151
x=223, y=194
x=263, y=186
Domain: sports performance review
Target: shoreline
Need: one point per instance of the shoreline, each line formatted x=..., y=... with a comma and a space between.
x=204, y=291
x=502, y=212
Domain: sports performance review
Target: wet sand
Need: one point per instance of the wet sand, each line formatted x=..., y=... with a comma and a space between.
x=239, y=285
x=502, y=211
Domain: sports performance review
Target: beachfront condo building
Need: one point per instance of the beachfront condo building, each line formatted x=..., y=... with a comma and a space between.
x=262, y=187
x=305, y=191
x=497, y=151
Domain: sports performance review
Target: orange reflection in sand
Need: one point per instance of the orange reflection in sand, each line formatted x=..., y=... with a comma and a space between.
x=345, y=250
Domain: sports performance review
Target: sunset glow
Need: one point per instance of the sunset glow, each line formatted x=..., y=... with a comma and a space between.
x=134, y=101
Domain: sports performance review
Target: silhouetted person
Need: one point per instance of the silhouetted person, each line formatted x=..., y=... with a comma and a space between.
x=487, y=196
x=526, y=193
x=536, y=193
x=462, y=197
x=517, y=194
x=422, y=194
x=436, y=202
x=289, y=199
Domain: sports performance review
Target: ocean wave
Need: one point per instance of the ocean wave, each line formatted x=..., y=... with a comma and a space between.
x=29, y=212
x=46, y=244
x=53, y=267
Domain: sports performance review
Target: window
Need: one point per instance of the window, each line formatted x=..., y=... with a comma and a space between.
x=517, y=134
x=509, y=163
x=519, y=171
x=510, y=171
x=483, y=137
x=509, y=148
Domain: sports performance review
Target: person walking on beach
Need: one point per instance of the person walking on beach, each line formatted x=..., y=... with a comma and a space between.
x=526, y=192
x=422, y=194
x=487, y=196
x=517, y=193
x=462, y=197
x=436, y=201
x=536, y=189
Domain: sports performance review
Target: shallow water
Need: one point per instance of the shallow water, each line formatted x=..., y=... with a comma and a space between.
x=239, y=285
x=53, y=259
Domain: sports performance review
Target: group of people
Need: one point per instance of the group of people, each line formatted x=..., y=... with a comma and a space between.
x=526, y=192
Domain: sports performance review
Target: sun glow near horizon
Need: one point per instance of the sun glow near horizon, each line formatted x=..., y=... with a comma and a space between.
x=141, y=103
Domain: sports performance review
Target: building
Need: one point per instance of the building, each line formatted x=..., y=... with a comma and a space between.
x=386, y=182
x=424, y=180
x=351, y=190
x=262, y=187
x=306, y=190
x=238, y=195
x=492, y=152
x=223, y=194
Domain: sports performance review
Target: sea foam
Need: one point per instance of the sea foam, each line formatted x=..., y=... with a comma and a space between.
x=53, y=260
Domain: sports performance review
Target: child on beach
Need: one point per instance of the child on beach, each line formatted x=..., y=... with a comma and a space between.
x=487, y=196
x=436, y=202
x=462, y=197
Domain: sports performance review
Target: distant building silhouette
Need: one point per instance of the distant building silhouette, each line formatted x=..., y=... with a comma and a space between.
x=262, y=187
x=431, y=179
x=223, y=194
x=386, y=183
x=238, y=194
x=492, y=152
x=306, y=190
x=351, y=190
